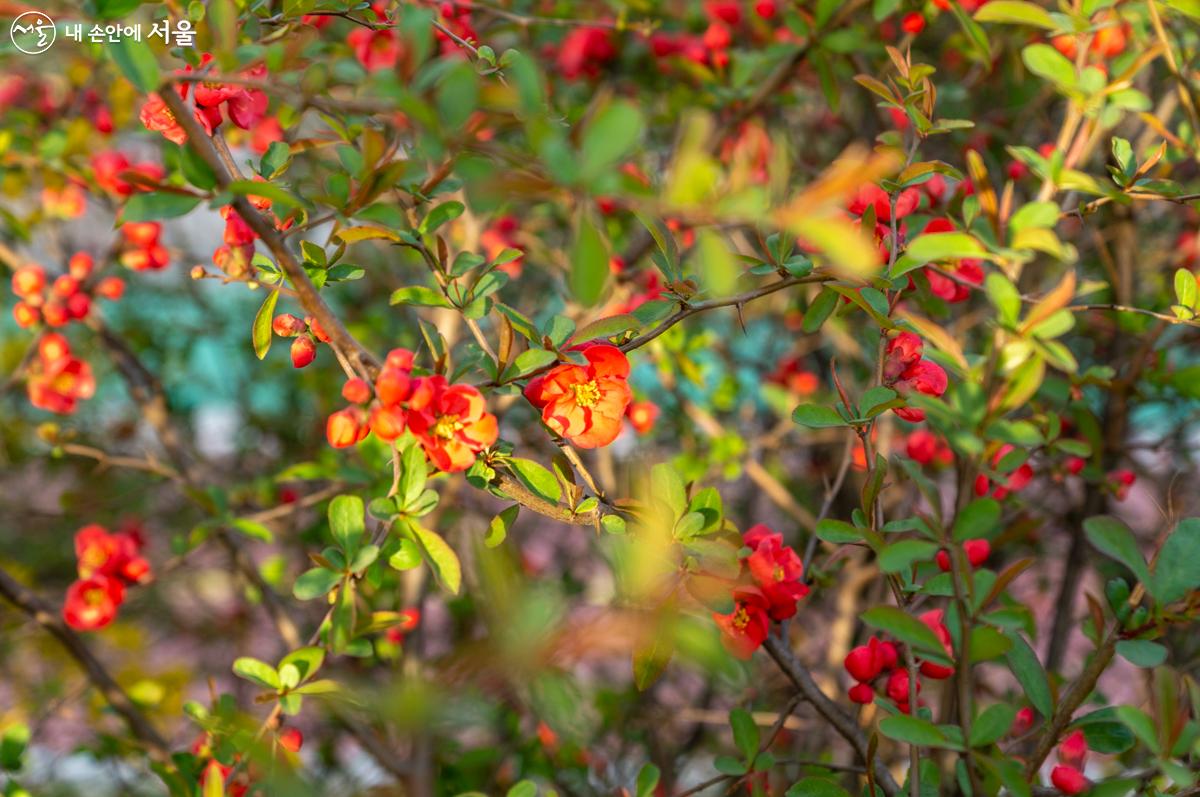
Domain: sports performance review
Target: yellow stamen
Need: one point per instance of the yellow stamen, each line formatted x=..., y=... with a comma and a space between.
x=586, y=393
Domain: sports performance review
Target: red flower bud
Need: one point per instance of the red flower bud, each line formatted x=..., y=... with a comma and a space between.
x=25, y=315
x=1073, y=749
x=863, y=663
x=66, y=286
x=286, y=325
x=913, y=22
x=28, y=279
x=897, y=686
x=291, y=739
x=317, y=329
x=80, y=265
x=343, y=429
x=111, y=288
x=388, y=423
x=977, y=551
x=55, y=315
x=1022, y=723
x=304, y=351
x=78, y=305
x=861, y=693
x=356, y=391
x=1068, y=780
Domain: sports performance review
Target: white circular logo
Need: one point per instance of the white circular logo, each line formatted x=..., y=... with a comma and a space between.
x=33, y=32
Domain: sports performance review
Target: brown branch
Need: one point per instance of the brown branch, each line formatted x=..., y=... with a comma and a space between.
x=1073, y=699
x=842, y=722
x=306, y=293
x=44, y=615
x=561, y=512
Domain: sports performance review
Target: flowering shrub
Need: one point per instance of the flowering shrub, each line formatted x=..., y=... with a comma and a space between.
x=788, y=396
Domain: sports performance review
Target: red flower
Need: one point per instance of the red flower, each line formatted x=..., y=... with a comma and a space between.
x=376, y=49
x=113, y=555
x=642, y=415
x=902, y=351
x=871, y=195
x=585, y=403
x=451, y=421
x=92, y=603
x=28, y=280
x=921, y=377
x=156, y=116
x=409, y=619
x=291, y=739
x=499, y=236
x=977, y=552
x=777, y=570
x=584, y=51
x=57, y=380
x=745, y=628
x=1015, y=481
x=913, y=22
x=1068, y=780
x=925, y=447
x=1122, y=479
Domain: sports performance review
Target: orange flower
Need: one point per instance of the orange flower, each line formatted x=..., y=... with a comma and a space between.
x=451, y=421
x=156, y=116
x=585, y=403
x=58, y=380
x=642, y=415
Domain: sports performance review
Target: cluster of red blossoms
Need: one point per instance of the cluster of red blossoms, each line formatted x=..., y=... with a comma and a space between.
x=245, y=107
x=112, y=171
x=1068, y=776
x=953, y=283
x=235, y=255
x=69, y=297
x=771, y=584
x=106, y=563
x=585, y=403
x=906, y=372
x=142, y=248
x=450, y=421
x=927, y=448
x=56, y=380
x=866, y=663
x=1014, y=482
x=712, y=47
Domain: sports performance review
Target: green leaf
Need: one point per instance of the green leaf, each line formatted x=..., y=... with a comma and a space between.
x=418, y=295
x=346, y=521
x=901, y=555
x=261, y=331
x=908, y=629
x=12, y=747
x=537, y=478
x=1035, y=215
x=447, y=211
x=978, y=519
x=137, y=63
x=647, y=781
x=1044, y=61
x=589, y=262
x=937, y=246
x=609, y=137
x=524, y=788
x=816, y=787
x=407, y=556
x=532, y=359
x=838, y=532
x=1004, y=296
x=253, y=530
x=1030, y=674
x=314, y=583
x=501, y=523
x=1142, y=652
x=442, y=558
x=306, y=660
x=1016, y=12
x=413, y=476
x=1114, y=539
x=817, y=416
x=913, y=730
x=154, y=205
x=992, y=724
x=1175, y=571
x=275, y=159
x=745, y=733
x=257, y=672
x=666, y=485
x=1143, y=727
x=820, y=310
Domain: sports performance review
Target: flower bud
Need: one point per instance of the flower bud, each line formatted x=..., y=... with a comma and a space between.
x=25, y=315
x=861, y=693
x=388, y=423
x=28, y=280
x=342, y=427
x=111, y=288
x=286, y=325
x=80, y=265
x=304, y=351
x=356, y=391
x=863, y=663
x=1068, y=780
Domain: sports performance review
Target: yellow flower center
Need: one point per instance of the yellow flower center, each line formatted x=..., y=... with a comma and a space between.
x=94, y=597
x=447, y=426
x=778, y=573
x=586, y=393
x=741, y=618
